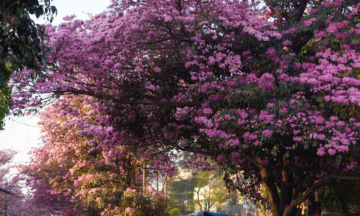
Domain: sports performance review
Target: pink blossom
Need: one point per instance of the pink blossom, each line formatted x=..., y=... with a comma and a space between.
x=129, y=210
x=156, y=69
x=267, y=133
x=332, y=151
x=168, y=18
x=242, y=113
x=207, y=111
x=221, y=159
x=321, y=151
x=287, y=43
x=309, y=22
x=270, y=105
x=297, y=139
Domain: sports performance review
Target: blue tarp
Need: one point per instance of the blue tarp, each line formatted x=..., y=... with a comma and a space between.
x=207, y=213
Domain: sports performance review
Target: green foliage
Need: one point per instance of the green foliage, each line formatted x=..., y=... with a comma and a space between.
x=142, y=205
x=4, y=104
x=214, y=192
x=175, y=212
x=181, y=194
x=20, y=41
x=205, y=189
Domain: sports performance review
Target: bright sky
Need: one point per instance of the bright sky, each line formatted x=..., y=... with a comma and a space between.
x=23, y=133
x=81, y=8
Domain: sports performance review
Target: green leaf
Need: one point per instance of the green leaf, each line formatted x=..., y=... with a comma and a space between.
x=53, y=9
x=39, y=11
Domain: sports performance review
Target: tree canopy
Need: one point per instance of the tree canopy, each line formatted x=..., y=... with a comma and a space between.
x=75, y=173
x=268, y=91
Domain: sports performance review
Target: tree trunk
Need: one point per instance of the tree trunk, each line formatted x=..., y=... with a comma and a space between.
x=286, y=194
x=144, y=178
x=271, y=190
x=275, y=211
x=290, y=211
x=165, y=186
x=157, y=181
x=344, y=206
x=280, y=206
x=198, y=197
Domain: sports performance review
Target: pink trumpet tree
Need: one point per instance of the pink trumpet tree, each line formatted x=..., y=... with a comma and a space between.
x=83, y=168
x=12, y=199
x=270, y=90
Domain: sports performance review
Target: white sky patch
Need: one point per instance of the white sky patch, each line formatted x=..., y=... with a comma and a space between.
x=81, y=8
x=20, y=134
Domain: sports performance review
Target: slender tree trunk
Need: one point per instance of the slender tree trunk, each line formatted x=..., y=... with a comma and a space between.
x=144, y=178
x=165, y=190
x=198, y=198
x=157, y=181
x=165, y=186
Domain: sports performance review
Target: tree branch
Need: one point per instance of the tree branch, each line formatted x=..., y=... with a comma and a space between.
x=347, y=177
x=302, y=7
x=319, y=183
x=6, y=191
x=131, y=102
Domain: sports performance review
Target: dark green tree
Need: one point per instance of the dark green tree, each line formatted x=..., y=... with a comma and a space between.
x=20, y=41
